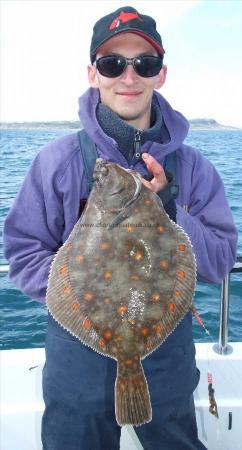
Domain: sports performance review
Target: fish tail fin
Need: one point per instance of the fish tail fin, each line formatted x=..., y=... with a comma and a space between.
x=132, y=400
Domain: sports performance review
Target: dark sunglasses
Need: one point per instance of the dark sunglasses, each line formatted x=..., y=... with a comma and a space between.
x=112, y=66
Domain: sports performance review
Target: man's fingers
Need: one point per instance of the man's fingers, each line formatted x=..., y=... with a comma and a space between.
x=153, y=165
x=159, y=181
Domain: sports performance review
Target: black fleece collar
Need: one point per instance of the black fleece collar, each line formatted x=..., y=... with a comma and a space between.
x=123, y=133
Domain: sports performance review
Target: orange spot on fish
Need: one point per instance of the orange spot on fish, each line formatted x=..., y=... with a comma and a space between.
x=67, y=290
x=164, y=264
x=122, y=309
x=86, y=324
x=158, y=328
x=138, y=255
x=136, y=210
x=171, y=307
x=132, y=321
x=69, y=245
x=155, y=297
x=119, y=338
x=74, y=306
x=79, y=258
x=63, y=270
x=101, y=343
x=134, y=277
x=88, y=295
x=107, y=300
x=147, y=202
x=107, y=334
x=130, y=228
x=144, y=331
x=181, y=275
x=160, y=228
x=178, y=293
x=104, y=245
x=181, y=247
x=128, y=362
x=107, y=275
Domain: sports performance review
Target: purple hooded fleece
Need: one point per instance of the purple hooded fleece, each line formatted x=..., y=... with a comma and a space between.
x=47, y=206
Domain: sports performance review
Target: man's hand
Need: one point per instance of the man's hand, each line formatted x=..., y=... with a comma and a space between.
x=159, y=181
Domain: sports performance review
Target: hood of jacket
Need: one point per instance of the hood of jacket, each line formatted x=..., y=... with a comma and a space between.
x=175, y=123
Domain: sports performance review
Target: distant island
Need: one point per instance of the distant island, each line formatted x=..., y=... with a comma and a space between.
x=53, y=125
x=196, y=124
x=209, y=124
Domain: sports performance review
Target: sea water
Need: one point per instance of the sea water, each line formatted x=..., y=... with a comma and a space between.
x=23, y=320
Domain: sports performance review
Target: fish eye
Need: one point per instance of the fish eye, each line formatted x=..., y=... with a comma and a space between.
x=104, y=170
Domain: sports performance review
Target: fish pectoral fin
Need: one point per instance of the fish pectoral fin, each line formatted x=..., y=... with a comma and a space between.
x=132, y=399
x=126, y=212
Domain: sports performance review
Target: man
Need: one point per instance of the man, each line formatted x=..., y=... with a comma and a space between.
x=132, y=125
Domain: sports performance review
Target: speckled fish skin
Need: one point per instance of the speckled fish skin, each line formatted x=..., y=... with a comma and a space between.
x=123, y=281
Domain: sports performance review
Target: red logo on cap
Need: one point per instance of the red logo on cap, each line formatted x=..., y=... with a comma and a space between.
x=124, y=17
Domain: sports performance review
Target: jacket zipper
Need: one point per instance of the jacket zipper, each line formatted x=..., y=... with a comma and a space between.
x=137, y=143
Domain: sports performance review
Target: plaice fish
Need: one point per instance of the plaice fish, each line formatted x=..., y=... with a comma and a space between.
x=123, y=281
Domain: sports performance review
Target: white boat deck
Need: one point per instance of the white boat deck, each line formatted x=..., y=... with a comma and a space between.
x=22, y=404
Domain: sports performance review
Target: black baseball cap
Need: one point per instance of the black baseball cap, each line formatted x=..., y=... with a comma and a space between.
x=125, y=19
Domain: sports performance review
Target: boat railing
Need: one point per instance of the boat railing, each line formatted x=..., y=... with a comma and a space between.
x=222, y=347
x=4, y=268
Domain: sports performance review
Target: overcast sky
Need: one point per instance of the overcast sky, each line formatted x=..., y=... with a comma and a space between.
x=45, y=51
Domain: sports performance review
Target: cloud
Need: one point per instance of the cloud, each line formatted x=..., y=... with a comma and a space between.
x=206, y=92
x=226, y=23
x=45, y=50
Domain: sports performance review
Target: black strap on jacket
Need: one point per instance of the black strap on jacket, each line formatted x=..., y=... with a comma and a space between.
x=89, y=155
